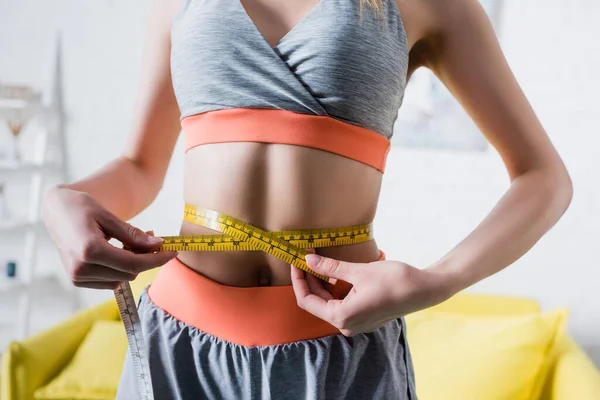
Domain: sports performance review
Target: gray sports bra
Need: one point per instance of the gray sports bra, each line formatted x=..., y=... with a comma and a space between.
x=334, y=63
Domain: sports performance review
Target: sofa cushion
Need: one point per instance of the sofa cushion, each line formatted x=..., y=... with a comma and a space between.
x=31, y=363
x=488, y=304
x=474, y=357
x=572, y=373
x=95, y=370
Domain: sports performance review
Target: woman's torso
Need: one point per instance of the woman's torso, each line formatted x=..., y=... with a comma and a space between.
x=276, y=187
x=280, y=186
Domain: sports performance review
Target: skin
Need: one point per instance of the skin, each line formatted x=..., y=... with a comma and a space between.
x=278, y=187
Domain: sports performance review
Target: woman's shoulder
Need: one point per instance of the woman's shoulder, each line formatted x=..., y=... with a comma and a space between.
x=428, y=22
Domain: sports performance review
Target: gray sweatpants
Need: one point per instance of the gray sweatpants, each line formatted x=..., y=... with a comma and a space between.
x=187, y=363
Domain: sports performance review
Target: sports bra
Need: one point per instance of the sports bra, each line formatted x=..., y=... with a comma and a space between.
x=334, y=82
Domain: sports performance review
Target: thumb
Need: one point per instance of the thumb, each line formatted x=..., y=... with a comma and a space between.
x=128, y=234
x=332, y=268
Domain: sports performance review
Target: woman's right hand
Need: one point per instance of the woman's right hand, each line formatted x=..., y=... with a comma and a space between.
x=81, y=228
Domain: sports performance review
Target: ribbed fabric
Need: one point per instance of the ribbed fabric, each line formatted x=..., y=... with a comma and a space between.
x=329, y=64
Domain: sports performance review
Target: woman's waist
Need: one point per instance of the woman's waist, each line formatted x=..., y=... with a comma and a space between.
x=249, y=316
x=259, y=265
x=255, y=316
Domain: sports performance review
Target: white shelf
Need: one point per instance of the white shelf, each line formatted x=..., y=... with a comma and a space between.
x=6, y=167
x=36, y=169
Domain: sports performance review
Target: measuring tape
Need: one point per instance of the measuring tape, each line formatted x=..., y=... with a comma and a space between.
x=135, y=339
x=236, y=234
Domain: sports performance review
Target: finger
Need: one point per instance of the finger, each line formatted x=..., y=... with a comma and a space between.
x=127, y=261
x=132, y=263
x=96, y=272
x=127, y=233
x=315, y=285
x=333, y=268
x=299, y=283
x=98, y=285
x=327, y=310
x=309, y=301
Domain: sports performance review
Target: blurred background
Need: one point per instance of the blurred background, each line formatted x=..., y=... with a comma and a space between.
x=76, y=65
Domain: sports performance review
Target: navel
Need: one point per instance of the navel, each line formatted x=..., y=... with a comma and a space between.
x=264, y=278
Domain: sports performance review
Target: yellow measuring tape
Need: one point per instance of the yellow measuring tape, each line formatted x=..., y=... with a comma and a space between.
x=288, y=246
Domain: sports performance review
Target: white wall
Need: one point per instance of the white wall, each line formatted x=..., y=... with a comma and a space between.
x=436, y=196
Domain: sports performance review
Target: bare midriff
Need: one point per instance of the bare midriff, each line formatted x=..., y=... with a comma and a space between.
x=276, y=187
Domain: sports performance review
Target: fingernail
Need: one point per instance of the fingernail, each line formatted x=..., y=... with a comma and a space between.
x=312, y=260
x=154, y=240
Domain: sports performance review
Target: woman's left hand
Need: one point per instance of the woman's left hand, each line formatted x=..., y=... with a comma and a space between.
x=382, y=291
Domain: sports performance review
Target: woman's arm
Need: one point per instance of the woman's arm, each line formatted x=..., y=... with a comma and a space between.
x=462, y=50
x=466, y=56
x=81, y=217
x=130, y=183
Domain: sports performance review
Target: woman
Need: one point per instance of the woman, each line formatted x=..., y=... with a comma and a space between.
x=287, y=110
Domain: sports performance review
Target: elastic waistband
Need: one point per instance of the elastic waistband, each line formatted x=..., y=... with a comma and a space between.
x=255, y=316
x=287, y=127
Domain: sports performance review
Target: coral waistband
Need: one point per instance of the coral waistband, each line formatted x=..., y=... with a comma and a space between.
x=254, y=316
x=287, y=127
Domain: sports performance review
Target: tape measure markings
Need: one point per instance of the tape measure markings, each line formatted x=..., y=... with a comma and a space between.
x=133, y=329
x=278, y=244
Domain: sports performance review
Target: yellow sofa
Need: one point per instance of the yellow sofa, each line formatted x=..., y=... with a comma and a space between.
x=33, y=363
